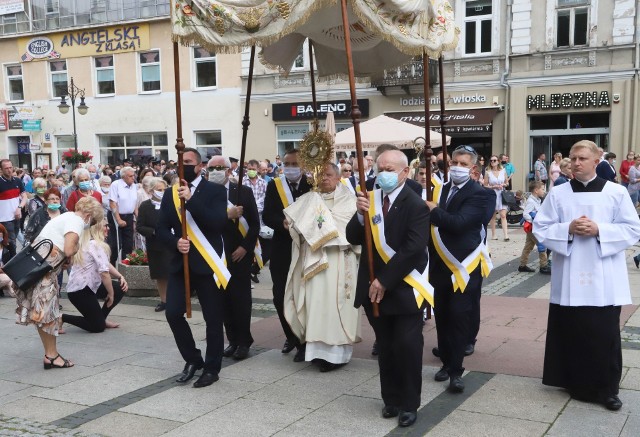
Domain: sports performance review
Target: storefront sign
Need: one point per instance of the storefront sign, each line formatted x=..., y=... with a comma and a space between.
x=304, y=110
x=449, y=100
x=578, y=100
x=32, y=125
x=457, y=121
x=4, y=124
x=35, y=147
x=88, y=42
x=11, y=6
x=15, y=122
x=23, y=145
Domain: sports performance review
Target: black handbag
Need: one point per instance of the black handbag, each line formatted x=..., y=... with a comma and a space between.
x=508, y=198
x=28, y=267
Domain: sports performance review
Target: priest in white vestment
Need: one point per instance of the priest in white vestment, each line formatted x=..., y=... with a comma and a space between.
x=321, y=285
x=587, y=223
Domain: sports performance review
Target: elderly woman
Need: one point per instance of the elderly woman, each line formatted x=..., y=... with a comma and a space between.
x=39, y=304
x=496, y=178
x=85, y=189
x=38, y=200
x=90, y=280
x=554, y=168
x=634, y=181
x=144, y=194
x=157, y=253
x=42, y=216
x=565, y=172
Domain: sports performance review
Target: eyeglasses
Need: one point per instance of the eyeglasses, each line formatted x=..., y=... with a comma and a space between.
x=217, y=168
x=346, y=171
x=466, y=149
x=494, y=160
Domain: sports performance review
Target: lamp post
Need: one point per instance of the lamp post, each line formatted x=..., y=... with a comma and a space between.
x=73, y=92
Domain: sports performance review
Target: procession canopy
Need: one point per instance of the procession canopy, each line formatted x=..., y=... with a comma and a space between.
x=384, y=33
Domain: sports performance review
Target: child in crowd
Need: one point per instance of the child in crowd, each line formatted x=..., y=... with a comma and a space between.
x=537, y=190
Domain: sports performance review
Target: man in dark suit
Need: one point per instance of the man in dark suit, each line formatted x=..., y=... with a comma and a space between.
x=398, y=329
x=207, y=204
x=239, y=251
x=607, y=168
x=294, y=184
x=459, y=217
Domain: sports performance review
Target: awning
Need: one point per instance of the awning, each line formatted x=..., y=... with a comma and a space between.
x=458, y=121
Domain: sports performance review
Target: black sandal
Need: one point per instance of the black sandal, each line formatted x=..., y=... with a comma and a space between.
x=51, y=365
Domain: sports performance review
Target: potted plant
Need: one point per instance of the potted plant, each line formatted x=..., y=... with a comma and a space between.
x=135, y=269
x=72, y=156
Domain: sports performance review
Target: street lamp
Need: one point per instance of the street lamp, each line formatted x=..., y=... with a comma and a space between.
x=73, y=93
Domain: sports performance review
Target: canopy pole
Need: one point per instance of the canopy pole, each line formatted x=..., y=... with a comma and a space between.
x=313, y=87
x=442, y=120
x=245, y=122
x=428, y=152
x=355, y=116
x=180, y=149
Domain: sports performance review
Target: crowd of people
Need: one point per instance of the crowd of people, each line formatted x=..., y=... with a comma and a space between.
x=430, y=248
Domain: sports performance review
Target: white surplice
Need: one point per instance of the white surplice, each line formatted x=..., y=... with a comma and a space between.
x=588, y=271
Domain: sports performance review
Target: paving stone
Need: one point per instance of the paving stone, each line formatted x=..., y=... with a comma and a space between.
x=469, y=424
x=517, y=397
x=586, y=422
x=32, y=373
x=632, y=379
x=39, y=409
x=265, y=368
x=631, y=427
x=12, y=397
x=119, y=424
x=630, y=403
x=8, y=387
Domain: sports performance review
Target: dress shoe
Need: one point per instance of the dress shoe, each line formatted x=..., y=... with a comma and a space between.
x=207, y=378
x=241, y=353
x=160, y=307
x=545, y=270
x=636, y=261
x=288, y=347
x=374, y=349
x=254, y=278
x=389, y=411
x=469, y=349
x=613, y=403
x=326, y=366
x=456, y=385
x=229, y=350
x=436, y=352
x=525, y=269
x=407, y=418
x=442, y=374
x=189, y=370
x=299, y=357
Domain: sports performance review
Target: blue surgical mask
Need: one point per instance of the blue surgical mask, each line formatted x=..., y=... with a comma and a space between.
x=387, y=180
x=292, y=173
x=53, y=206
x=84, y=185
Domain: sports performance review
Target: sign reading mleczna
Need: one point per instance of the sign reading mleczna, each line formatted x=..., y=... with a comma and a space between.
x=578, y=100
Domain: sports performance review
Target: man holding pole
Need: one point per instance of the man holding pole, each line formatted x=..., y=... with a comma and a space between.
x=206, y=217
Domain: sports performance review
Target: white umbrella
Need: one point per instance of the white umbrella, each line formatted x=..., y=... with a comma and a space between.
x=330, y=126
x=385, y=130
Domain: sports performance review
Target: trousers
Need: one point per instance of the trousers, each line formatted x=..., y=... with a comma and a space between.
x=93, y=318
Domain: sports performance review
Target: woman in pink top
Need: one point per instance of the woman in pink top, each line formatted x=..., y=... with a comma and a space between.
x=554, y=168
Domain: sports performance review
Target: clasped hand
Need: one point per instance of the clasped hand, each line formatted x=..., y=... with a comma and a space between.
x=183, y=245
x=584, y=226
x=184, y=192
x=235, y=212
x=362, y=202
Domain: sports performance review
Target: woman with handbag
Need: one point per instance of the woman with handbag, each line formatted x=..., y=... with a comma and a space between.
x=90, y=280
x=42, y=216
x=38, y=302
x=496, y=179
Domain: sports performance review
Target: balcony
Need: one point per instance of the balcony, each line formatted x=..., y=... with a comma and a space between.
x=406, y=75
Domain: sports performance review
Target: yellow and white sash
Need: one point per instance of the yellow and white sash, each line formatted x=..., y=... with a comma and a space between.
x=243, y=226
x=283, y=191
x=461, y=271
x=218, y=264
x=422, y=290
x=347, y=183
x=435, y=182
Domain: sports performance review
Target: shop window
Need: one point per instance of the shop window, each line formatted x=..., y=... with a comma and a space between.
x=14, y=83
x=105, y=76
x=139, y=147
x=209, y=143
x=477, y=26
x=150, y=71
x=589, y=120
x=204, y=68
x=544, y=122
x=572, y=24
x=59, y=78
x=290, y=135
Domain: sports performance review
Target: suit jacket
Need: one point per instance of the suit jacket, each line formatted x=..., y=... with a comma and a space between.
x=208, y=206
x=406, y=229
x=148, y=217
x=232, y=236
x=459, y=225
x=414, y=185
x=605, y=171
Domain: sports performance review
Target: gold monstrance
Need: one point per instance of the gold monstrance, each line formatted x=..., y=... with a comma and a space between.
x=316, y=151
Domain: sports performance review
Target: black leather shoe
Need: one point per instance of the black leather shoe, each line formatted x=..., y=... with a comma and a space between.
x=254, y=278
x=407, y=418
x=469, y=349
x=326, y=366
x=436, y=352
x=545, y=270
x=189, y=370
x=229, y=350
x=287, y=347
x=525, y=269
x=241, y=353
x=613, y=403
x=374, y=349
x=207, y=378
x=442, y=374
x=636, y=261
x=389, y=411
x=456, y=385
x=300, y=354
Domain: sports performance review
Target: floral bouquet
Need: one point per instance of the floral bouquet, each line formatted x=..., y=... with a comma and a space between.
x=136, y=258
x=72, y=156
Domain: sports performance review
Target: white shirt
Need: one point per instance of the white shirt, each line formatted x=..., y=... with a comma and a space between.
x=58, y=227
x=125, y=196
x=196, y=182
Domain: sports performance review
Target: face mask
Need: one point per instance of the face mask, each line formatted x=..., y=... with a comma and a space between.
x=189, y=172
x=218, y=176
x=92, y=175
x=252, y=174
x=459, y=175
x=104, y=189
x=53, y=206
x=614, y=161
x=503, y=162
x=292, y=173
x=158, y=194
x=387, y=180
x=85, y=185
x=40, y=190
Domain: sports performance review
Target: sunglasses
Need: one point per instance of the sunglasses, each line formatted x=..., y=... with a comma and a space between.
x=494, y=160
x=217, y=168
x=346, y=171
x=466, y=149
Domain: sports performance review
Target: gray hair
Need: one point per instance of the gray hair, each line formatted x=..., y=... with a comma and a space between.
x=474, y=156
x=104, y=179
x=95, y=169
x=81, y=172
x=39, y=182
x=153, y=183
x=334, y=167
x=126, y=170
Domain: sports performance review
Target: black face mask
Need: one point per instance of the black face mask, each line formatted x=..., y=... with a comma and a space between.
x=189, y=172
x=503, y=162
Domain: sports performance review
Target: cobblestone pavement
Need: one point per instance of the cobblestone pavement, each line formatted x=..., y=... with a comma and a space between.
x=16, y=427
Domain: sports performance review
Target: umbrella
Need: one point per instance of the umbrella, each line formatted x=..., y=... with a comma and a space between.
x=330, y=126
x=384, y=130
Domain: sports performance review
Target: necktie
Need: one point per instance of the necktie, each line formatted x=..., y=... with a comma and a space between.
x=453, y=192
x=294, y=189
x=385, y=206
